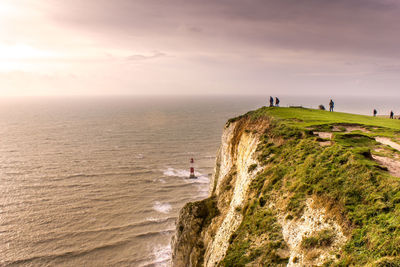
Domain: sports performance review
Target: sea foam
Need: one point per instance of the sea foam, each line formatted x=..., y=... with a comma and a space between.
x=185, y=174
x=162, y=255
x=162, y=207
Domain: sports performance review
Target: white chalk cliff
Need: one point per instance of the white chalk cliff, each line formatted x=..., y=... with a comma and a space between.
x=205, y=228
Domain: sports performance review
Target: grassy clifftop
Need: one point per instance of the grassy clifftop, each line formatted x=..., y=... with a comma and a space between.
x=303, y=117
x=348, y=164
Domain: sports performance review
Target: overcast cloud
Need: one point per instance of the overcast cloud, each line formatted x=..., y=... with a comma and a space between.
x=196, y=47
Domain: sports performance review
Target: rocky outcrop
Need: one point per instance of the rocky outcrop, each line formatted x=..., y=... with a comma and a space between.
x=188, y=240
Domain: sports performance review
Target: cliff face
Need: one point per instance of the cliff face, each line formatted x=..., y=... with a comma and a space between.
x=202, y=241
x=275, y=200
x=228, y=189
x=231, y=183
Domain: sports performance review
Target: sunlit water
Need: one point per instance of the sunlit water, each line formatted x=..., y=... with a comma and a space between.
x=99, y=182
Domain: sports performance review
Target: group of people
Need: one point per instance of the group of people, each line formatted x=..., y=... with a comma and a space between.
x=271, y=101
x=391, y=114
x=331, y=106
x=277, y=101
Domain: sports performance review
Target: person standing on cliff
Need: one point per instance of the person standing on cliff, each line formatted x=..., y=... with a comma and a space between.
x=271, y=101
x=277, y=102
x=375, y=112
x=391, y=114
x=331, y=105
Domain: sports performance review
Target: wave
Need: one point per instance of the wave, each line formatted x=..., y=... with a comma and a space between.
x=139, y=156
x=109, y=174
x=158, y=180
x=150, y=234
x=165, y=263
x=202, y=179
x=176, y=173
x=162, y=255
x=167, y=188
x=162, y=207
x=139, y=170
x=66, y=254
x=160, y=220
x=182, y=173
x=147, y=222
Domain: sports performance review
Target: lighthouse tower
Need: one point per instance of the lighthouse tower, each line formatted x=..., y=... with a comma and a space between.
x=192, y=176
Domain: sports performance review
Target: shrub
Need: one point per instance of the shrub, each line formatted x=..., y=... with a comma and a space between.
x=252, y=167
x=262, y=201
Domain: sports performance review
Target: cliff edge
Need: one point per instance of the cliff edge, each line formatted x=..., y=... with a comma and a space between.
x=298, y=187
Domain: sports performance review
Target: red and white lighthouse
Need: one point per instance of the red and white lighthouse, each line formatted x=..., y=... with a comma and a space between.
x=192, y=176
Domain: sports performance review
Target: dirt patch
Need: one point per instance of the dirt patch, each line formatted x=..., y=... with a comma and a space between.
x=387, y=141
x=336, y=129
x=380, y=150
x=325, y=143
x=324, y=135
x=391, y=164
x=349, y=128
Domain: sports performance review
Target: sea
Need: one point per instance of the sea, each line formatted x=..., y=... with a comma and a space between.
x=99, y=181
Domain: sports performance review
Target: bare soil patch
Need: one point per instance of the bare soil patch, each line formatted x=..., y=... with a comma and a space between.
x=391, y=164
x=324, y=135
x=387, y=141
x=325, y=143
x=350, y=128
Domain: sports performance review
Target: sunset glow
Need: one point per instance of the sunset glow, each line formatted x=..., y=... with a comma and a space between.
x=22, y=51
x=155, y=47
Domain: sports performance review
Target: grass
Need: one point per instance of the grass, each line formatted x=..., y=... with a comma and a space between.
x=320, y=239
x=252, y=167
x=243, y=250
x=303, y=117
x=366, y=197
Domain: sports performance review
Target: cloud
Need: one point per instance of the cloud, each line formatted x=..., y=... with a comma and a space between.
x=223, y=46
x=365, y=27
x=138, y=57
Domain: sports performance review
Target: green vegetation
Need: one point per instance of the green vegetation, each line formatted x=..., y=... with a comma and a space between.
x=205, y=210
x=209, y=210
x=343, y=174
x=260, y=228
x=252, y=167
x=320, y=239
x=303, y=117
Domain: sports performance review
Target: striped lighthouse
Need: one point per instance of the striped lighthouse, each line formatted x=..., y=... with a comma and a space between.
x=192, y=176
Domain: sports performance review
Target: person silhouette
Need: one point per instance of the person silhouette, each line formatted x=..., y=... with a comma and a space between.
x=271, y=101
x=391, y=114
x=331, y=105
x=375, y=112
x=277, y=102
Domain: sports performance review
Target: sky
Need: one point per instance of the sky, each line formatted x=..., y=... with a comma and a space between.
x=191, y=47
